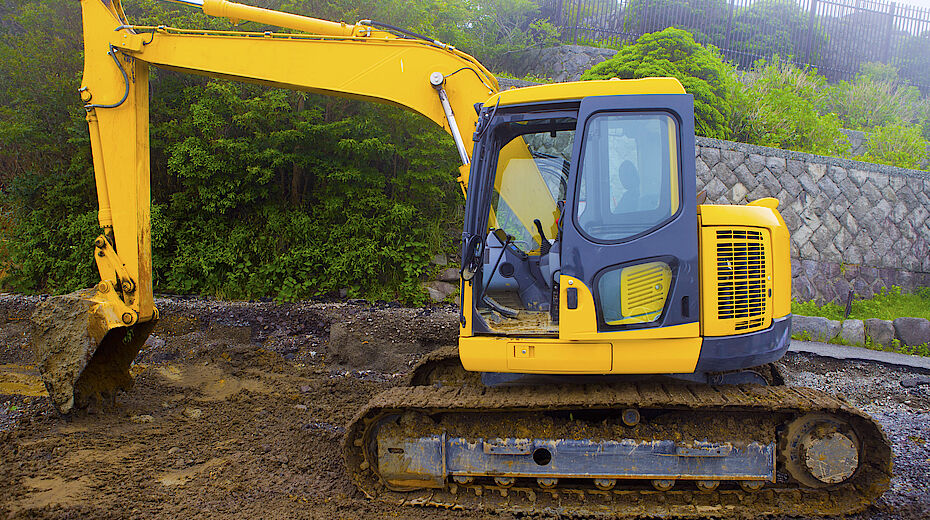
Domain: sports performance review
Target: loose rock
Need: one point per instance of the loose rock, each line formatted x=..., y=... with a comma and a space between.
x=915, y=381
x=819, y=328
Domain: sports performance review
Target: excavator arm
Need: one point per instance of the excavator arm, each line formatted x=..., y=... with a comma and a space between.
x=86, y=341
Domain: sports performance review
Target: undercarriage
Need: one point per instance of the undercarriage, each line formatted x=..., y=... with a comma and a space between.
x=631, y=449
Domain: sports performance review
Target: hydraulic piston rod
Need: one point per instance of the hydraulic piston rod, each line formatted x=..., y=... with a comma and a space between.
x=234, y=11
x=438, y=80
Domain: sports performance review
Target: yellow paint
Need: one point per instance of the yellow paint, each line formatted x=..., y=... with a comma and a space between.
x=580, y=348
x=643, y=292
x=566, y=358
x=781, y=260
x=761, y=213
x=234, y=11
x=573, y=323
x=582, y=89
x=521, y=185
x=673, y=162
x=581, y=323
x=555, y=356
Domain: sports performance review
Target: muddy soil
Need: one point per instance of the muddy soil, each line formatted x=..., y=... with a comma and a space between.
x=238, y=411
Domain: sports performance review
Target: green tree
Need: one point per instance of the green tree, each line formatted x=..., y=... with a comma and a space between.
x=769, y=28
x=673, y=52
x=706, y=20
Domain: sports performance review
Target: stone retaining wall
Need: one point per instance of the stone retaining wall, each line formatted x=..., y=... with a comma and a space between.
x=854, y=226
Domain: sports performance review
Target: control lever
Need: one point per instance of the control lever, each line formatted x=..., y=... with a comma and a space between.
x=544, y=245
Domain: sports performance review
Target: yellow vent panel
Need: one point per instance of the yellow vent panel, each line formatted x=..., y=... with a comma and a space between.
x=737, y=279
x=643, y=291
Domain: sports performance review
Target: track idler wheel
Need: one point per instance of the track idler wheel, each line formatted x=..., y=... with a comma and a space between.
x=820, y=450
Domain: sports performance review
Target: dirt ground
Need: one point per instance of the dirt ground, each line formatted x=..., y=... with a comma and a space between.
x=238, y=412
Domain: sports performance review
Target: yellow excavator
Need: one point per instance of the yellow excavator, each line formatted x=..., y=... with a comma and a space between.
x=616, y=336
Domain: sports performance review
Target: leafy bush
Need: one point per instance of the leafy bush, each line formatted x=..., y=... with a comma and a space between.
x=777, y=106
x=896, y=145
x=673, y=52
x=877, y=97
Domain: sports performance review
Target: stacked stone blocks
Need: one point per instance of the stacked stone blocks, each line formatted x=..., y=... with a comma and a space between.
x=854, y=226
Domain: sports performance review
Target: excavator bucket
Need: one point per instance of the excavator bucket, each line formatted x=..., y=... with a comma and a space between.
x=83, y=350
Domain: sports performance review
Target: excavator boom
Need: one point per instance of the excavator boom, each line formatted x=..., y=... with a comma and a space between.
x=360, y=61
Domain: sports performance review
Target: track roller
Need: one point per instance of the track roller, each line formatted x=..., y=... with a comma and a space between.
x=547, y=483
x=751, y=485
x=820, y=450
x=707, y=486
x=663, y=484
x=605, y=484
x=504, y=482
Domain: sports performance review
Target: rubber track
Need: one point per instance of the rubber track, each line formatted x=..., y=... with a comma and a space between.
x=870, y=481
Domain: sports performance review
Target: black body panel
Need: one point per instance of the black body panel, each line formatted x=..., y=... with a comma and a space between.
x=745, y=350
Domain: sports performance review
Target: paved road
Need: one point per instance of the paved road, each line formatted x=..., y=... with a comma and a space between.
x=843, y=352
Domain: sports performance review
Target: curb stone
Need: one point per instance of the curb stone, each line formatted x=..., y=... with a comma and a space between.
x=908, y=331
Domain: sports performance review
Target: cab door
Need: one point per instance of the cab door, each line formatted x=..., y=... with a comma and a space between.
x=629, y=239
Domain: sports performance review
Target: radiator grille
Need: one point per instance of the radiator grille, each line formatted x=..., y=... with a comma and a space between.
x=741, y=283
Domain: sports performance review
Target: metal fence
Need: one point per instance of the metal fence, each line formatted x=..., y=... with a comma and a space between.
x=836, y=36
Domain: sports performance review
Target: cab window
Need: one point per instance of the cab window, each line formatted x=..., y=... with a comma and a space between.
x=628, y=182
x=531, y=177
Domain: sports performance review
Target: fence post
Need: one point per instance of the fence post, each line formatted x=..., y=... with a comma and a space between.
x=726, y=35
x=642, y=25
x=576, y=16
x=810, y=31
x=886, y=45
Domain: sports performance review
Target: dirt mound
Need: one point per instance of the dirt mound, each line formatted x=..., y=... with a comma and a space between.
x=347, y=336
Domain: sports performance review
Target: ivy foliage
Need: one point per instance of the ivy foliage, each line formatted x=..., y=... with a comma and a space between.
x=674, y=53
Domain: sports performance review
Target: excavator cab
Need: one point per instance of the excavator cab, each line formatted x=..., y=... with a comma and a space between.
x=588, y=213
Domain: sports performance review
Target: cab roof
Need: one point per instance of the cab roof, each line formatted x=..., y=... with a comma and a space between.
x=581, y=89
